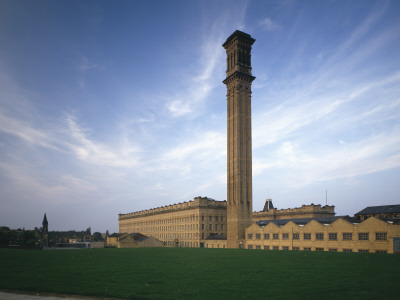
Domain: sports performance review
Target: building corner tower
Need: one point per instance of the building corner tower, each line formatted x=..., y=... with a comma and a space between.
x=238, y=83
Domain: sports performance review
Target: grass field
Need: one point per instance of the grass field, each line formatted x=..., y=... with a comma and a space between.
x=168, y=273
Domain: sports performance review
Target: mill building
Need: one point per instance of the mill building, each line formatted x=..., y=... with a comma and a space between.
x=209, y=223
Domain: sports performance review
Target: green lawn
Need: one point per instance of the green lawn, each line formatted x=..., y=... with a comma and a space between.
x=168, y=273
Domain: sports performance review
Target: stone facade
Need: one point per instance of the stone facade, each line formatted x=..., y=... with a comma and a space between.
x=305, y=211
x=239, y=180
x=338, y=234
x=187, y=224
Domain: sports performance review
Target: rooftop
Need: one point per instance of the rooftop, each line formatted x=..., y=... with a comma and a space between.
x=382, y=209
x=240, y=34
x=304, y=221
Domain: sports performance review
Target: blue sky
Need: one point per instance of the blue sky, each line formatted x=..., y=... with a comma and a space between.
x=110, y=107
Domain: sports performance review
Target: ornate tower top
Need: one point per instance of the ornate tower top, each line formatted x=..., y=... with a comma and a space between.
x=238, y=54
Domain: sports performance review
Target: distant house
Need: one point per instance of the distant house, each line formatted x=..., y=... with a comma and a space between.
x=66, y=238
x=379, y=212
x=132, y=240
x=72, y=238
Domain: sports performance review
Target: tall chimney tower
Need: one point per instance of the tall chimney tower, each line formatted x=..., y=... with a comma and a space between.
x=238, y=83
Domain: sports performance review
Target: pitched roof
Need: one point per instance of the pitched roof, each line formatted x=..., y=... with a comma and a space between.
x=382, y=209
x=115, y=234
x=302, y=221
x=138, y=236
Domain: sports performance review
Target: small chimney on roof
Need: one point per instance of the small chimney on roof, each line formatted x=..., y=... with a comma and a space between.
x=268, y=205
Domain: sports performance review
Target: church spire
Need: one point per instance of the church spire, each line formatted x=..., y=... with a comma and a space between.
x=45, y=232
x=45, y=223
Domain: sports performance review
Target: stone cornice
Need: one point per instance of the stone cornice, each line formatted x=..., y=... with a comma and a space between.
x=239, y=34
x=198, y=203
x=239, y=75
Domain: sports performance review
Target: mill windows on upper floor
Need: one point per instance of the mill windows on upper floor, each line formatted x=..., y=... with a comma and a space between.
x=347, y=236
x=381, y=236
x=332, y=236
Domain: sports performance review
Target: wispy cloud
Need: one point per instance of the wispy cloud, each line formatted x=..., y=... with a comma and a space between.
x=26, y=131
x=95, y=153
x=303, y=130
x=200, y=84
x=83, y=66
x=86, y=65
x=373, y=154
x=210, y=63
x=268, y=24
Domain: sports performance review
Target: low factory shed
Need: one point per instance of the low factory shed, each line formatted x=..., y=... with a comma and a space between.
x=132, y=240
x=335, y=234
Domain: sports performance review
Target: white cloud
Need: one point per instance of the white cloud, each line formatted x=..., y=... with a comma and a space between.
x=306, y=166
x=86, y=65
x=202, y=151
x=204, y=79
x=180, y=107
x=268, y=25
x=83, y=67
x=25, y=131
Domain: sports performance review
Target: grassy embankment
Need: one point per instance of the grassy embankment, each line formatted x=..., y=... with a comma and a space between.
x=169, y=273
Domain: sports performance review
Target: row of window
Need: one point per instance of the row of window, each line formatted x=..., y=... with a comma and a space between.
x=172, y=220
x=309, y=249
x=211, y=227
x=346, y=236
x=178, y=228
x=210, y=218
